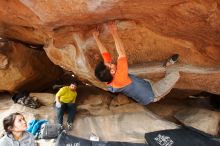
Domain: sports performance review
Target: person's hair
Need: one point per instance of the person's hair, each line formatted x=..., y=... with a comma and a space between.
x=8, y=122
x=74, y=83
x=103, y=73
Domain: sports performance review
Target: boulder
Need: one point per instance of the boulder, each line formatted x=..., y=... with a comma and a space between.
x=96, y=102
x=4, y=61
x=22, y=68
x=151, y=31
x=129, y=127
x=202, y=119
x=120, y=99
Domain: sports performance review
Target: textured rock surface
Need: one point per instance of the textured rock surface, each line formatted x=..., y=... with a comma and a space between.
x=151, y=31
x=202, y=119
x=25, y=68
x=129, y=127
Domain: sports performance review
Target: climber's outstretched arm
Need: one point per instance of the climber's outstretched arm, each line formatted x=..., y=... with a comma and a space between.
x=118, y=43
x=101, y=47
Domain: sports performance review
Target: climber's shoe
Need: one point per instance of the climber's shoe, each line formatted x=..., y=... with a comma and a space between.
x=173, y=59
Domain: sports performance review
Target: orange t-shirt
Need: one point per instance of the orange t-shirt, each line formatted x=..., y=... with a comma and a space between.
x=121, y=78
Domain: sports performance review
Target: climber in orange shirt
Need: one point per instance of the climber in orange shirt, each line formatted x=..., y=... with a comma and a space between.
x=118, y=79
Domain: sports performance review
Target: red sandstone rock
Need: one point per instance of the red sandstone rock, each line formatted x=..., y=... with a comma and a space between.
x=25, y=69
x=155, y=30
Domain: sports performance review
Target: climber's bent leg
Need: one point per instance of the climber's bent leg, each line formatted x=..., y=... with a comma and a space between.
x=164, y=86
